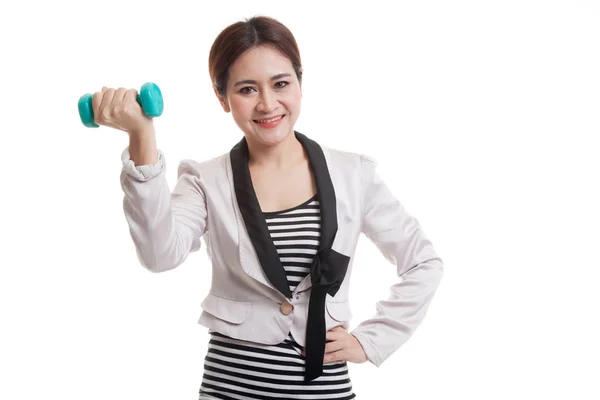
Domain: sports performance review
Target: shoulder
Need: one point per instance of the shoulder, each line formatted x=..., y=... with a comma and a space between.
x=205, y=168
x=350, y=159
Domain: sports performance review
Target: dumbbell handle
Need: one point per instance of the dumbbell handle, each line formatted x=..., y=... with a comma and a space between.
x=149, y=98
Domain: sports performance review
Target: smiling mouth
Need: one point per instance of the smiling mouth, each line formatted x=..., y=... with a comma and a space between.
x=274, y=119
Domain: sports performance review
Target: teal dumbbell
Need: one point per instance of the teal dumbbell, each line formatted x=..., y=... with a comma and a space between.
x=149, y=97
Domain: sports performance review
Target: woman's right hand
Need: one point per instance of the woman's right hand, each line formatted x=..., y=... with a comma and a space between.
x=119, y=109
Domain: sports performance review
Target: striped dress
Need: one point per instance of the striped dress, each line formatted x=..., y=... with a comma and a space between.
x=240, y=370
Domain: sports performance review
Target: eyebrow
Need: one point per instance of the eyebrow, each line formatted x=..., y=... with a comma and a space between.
x=253, y=82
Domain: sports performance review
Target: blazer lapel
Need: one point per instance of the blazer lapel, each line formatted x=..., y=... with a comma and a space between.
x=256, y=231
x=325, y=190
x=255, y=223
x=325, y=195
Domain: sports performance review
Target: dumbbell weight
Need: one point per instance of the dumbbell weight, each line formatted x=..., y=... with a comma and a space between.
x=149, y=97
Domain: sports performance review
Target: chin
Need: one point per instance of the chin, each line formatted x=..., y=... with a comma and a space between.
x=269, y=138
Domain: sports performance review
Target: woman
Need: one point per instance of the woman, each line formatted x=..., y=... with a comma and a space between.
x=280, y=216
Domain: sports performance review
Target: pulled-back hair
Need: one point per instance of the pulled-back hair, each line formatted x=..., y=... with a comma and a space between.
x=242, y=36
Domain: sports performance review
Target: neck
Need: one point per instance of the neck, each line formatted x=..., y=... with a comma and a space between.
x=280, y=156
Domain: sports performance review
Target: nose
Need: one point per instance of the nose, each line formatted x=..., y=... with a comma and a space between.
x=267, y=102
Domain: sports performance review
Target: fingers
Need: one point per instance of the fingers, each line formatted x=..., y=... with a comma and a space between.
x=334, y=346
x=96, y=102
x=342, y=346
x=130, y=97
x=336, y=340
x=336, y=333
x=130, y=101
x=109, y=103
x=116, y=103
x=335, y=356
x=333, y=353
x=104, y=111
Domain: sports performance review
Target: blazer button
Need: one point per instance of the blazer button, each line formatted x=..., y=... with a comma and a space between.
x=286, y=308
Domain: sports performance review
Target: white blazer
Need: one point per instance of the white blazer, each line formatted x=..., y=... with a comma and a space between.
x=249, y=298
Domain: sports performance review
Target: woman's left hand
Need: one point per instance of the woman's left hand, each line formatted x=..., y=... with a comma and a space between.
x=343, y=346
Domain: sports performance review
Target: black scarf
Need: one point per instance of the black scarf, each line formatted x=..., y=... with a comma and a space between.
x=329, y=267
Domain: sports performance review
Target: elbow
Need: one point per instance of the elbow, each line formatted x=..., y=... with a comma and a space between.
x=156, y=264
x=429, y=271
x=437, y=267
x=161, y=258
x=156, y=268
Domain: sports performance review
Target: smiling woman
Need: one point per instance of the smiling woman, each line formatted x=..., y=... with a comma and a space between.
x=257, y=75
x=281, y=216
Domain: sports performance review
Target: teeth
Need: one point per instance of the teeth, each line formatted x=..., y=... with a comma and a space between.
x=269, y=120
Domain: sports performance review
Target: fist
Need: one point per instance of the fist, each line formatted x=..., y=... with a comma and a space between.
x=120, y=110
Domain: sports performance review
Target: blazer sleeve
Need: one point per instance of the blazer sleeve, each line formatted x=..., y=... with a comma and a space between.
x=401, y=240
x=165, y=226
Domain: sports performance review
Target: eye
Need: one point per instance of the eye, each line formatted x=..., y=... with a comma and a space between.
x=279, y=85
x=246, y=90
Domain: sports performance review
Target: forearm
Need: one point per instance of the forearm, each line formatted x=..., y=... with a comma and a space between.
x=401, y=313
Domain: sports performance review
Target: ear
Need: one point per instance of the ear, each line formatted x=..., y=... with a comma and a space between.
x=222, y=100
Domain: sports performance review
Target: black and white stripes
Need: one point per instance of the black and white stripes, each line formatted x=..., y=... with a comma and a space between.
x=235, y=369
x=295, y=233
x=241, y=370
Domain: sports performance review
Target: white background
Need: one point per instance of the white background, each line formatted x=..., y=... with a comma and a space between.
x=483, y=115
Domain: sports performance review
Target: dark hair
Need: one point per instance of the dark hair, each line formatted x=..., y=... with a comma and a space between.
x=242, y=36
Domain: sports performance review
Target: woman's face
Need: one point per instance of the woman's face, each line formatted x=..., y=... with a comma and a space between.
x=263, y=95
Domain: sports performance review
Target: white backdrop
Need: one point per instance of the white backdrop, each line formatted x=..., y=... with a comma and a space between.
x=483, y=116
